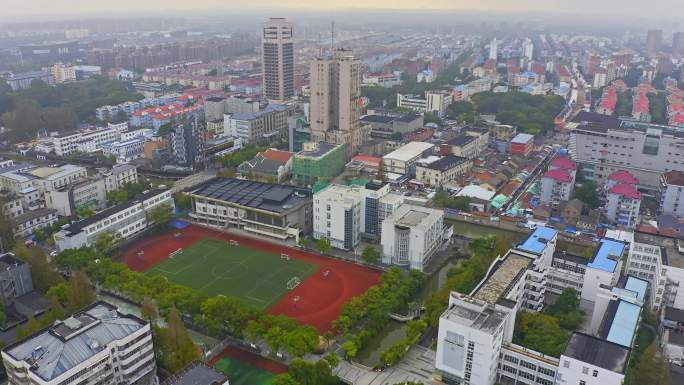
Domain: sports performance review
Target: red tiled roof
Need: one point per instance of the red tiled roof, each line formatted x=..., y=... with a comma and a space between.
x=277, y=155
x=370, y=160
x=624, y=177
x=564, y=163
x=674, y=178
x=626, y=190
x=647, y=229
x=559, y=175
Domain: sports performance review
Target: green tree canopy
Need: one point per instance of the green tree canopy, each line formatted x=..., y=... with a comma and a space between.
x=370, y=254
x=588, y=194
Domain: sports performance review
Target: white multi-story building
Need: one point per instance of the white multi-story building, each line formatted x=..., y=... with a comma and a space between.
x=55, y=178
x=338, y=215
x=558, y=183
x=528, y=49
x=493, y=49
x=435, y=101
x=26, y=223
x=439, y=172
x=624, y=202
x=672, y=193
x=97, y=345
x=87, y=141
x=411, y=236
x=123, y=220
x=403, y=160
x=119, y=175
x=603, y=144
x=589, y=360
x=63, y=73
x=125, y=151
x=267, y=126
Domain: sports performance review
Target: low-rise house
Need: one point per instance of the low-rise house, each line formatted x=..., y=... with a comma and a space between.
x=272, y=165
x=442, y=171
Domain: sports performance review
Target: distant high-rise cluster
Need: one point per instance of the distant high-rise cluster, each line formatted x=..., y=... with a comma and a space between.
x=493, y=49
x=277, y=56
x=678, y=44
x=654, y=39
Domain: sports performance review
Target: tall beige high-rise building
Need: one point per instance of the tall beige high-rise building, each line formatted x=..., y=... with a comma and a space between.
x=678, y=44
x=654, y=38
x=277, y=58
x=335, y=101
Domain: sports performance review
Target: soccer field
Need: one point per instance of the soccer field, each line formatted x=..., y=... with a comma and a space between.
x=219, y=268
x=243, y=374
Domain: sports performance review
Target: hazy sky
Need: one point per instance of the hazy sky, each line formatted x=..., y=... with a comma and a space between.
x=635, y=8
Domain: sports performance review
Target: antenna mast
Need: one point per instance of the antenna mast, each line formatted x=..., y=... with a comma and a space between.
x=332, y=40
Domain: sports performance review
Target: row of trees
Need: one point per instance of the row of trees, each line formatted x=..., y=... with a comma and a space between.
x=397, y=351
x=366, y=315
x=126, y=192
x=464, y=277
x=548, y=331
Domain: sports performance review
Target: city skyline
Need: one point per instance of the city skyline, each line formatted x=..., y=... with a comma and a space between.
x=61, y=8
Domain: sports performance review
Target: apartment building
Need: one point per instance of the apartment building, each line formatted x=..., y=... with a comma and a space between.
x=277, y=58
x=412, y=235
x=120, y=174
x=437, y=173
x=86, y=141
x=30, y=221
x=335, y=112
x=123, y=220
x=604, y=144
x=557, y=185
x=671, y=193
x=403, y=160
x=265, y=209
x=623, y=205
x=98, y=345
x=126, y=150
x=266, y=126
x=522, y=144
x=63, y=73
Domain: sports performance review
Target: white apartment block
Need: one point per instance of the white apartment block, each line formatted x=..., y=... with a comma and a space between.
x=672, y=193
x=125, y=151
x=606, y=144
x=436, y=102
x=567, y=271
x=123, y=220
x=556, y=186
x=87, y=141
x=624, y=203
x=404, y=159
x=442, y=171
x=26, y=223
x=411, y=236
x=98, y=345
x=63, y=73
x=337, y=215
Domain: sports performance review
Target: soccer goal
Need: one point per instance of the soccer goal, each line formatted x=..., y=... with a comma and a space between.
x=293, y=282
x=284, y=256
x=175, y=253
x=234, y=243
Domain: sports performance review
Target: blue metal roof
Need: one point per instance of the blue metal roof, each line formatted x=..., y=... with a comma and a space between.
x=637, y=285
x=624, y=324
x=608, y=247
x=536, y=243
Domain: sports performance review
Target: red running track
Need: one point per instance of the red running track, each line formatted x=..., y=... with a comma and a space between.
x=321, y=298
x=252, y=359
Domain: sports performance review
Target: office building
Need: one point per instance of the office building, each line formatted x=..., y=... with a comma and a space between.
x=318, y=162
x=672, y=193
x=266, y=209
x=335, y=111
x=403, y=160
x=654, y=39
x=411, y=236
x=604, y=144
x=435, y=102
x=437, y=173
x=266, y=126
x=125, y=220
x=338, y=215
x=98, y=345
x=277, y=58
x=214, y=108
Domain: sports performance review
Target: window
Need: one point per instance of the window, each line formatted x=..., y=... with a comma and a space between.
x=595, y=374
x=582, y=382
